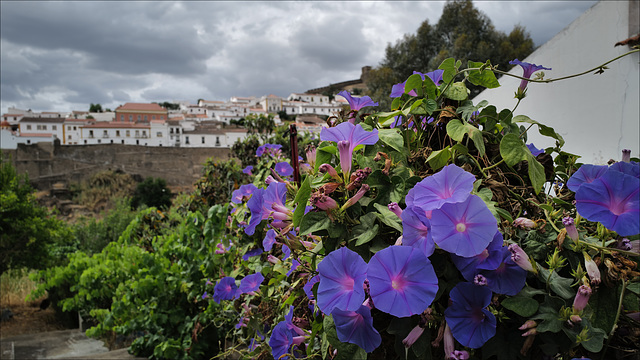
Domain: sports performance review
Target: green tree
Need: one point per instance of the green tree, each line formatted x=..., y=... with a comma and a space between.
x=152, y=192
x=95, y=108
x=463, y=32
x=261, y=125
x=30, y=236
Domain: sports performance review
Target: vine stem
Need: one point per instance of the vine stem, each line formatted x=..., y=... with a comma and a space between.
x=615, y=321
x=597, y=68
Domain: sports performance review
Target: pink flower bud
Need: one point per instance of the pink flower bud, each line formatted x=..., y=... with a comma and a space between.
x=449, y=344
x=354, y=199
x=326, y=168
x=592, y=269
x=524, y=223
x=529, y=324
x=395, y=208
x=575, y=319
x=414, y=335
x=626, y=155
x=572, y=232
x=582, y=298
x=460, y=355
x=520, y=257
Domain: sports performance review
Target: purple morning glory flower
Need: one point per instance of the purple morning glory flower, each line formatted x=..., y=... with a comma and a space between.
x=465, y=228
x=435, y=76
x=397, y=90
x=284, y=169
x=629, y=168
x=244, y=191
x=252, y=253
x=342, y=274
x=268, y=148
x=356, y=327
x=247, y=170
x=294, y=266
x=255, y=206
x=585, y=175
x=471, y=323
x=402, y=281
x=309, y=286
x=529, y=69
x=613, y=199
x=348, y=136
x=269, y=240
x=281, y=340
x=357, y=103
x=534, y=150
x=508, y=278
x=416, y=230
x=489, y=259
x=450, y=185
x=286, y=252
x=251, y=283
x=225, y=289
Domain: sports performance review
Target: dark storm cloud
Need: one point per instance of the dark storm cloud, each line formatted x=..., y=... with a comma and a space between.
x=65, y=55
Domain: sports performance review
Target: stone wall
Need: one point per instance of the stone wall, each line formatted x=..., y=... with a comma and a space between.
x=47, y=164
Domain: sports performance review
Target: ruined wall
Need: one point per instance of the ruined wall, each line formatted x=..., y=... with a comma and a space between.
x=46, y=163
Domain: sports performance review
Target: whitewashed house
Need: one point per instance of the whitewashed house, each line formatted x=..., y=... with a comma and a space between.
x=597, y=114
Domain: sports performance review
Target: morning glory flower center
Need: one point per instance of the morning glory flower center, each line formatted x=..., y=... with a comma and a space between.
x=461, y=227
x=478, y=315
x=398, y=283
x=617, y=207
x=347, y=283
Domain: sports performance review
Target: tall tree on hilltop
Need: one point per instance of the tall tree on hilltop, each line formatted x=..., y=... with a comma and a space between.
x=462, y=32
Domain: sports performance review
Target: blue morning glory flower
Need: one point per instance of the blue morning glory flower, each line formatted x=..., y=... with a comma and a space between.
x=356, y=327
x=629, y=168
x=342, y=274
x=585, y=175
x=613, y=199
x=508, y=278
x=257, y=212
x=284, y=169
x=416, y=230
x=251, y=253
x=357, y=103
x=294, y=266
x=247, y=170
x=281, y=340
x=450, y=185
x=268, y=148
x=225, y=289
x=347, y=136
x=243, y=192
x=528, y=69
x=489, y=259
x=402, y=281
x=465, y=228
x=251, y=283
x=269, y=240
x=534, y=150
x=470, y=322
x=286, y=252
x=308, y=287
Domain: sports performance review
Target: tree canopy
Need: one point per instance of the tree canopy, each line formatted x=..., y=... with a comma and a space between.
x=462, y=32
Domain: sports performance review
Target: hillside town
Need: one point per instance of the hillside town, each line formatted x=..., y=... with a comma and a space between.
x=205, y=124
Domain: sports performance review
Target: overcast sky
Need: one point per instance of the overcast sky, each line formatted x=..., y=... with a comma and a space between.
x=62, y=56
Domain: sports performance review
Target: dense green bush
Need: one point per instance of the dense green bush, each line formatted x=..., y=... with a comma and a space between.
x=152, y=192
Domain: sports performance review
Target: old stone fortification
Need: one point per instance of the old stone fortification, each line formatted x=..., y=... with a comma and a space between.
x=48, y=164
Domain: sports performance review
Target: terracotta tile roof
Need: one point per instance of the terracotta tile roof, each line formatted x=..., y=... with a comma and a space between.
x=35, y=135
x=115, y=125
x=42, y=120
x=141, y=106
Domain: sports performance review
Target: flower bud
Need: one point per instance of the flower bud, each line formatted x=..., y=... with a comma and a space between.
x=354, y=199
x=581, y=299
x=414, y=335
x=592, y=269
x=529, y=324
x=524, y=223
x=520, y=257
x=449, y=344
x=626, y=155
x=395, y=208
x=572, y=232
x=460, y=355
x=326, y=168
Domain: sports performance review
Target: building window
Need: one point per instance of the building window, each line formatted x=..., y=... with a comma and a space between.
x=74, y=128
x=130, y=118
x=105, y=134
x=121, y=117
x=159, y=134
x=123, y=141
x=203, y=139
x=128, y=133
x=138, y=117
x=28, y=127
x=170, y=130
x=161, y=117
x=144, y=133
x=39, y=127
x=153, y=117
x=68, y=127
x=145, y=118
x=28, y=142
x=90, y=133
x=99, y=141
x=217, y=140
x=117, y=133
x=69, y=137
x=54, y=127
x=44, y=127
x=137, y=133
x=85, y=141
x=186, y=140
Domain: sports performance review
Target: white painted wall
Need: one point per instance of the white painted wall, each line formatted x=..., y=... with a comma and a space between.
x=598, y=115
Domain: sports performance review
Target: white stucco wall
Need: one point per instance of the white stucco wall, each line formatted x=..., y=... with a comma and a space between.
x=598, y=115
